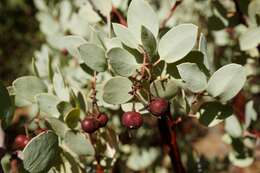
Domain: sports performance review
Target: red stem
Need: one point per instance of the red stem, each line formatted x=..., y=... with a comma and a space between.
x=120, y=16
x=170, y=13
x=167, y=130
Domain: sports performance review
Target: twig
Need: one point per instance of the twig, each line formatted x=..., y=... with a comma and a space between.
x=167, y=130
x=93, y=97
x=120, y=17
x=170, y=13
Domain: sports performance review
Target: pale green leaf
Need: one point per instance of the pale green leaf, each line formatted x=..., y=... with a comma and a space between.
x=203, y=48
x=233, y=127
x=79, y=143
x=71, y=43
x=28, y=87
x=195, y=80
x=60, y=88
x=48, y=104
x=227, y=81
x=148, y=41
x=177, y=42
x=253, y=11
x=122, y=62
x=165, y=89
x=250, y=113
x=40, y=153
x=116, y=90
x=93, y=56
x=125, y=36
x=138, y=107
x=57, y=126
x=250, y=39
x=139, y=14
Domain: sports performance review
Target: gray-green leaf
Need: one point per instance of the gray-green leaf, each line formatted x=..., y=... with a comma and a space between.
x=79, y=143
x=93, y=56
x=195, y=80
x=165, y=89
x=177, y=42
x=125, y=36
x=226, y=82
x=122, y=62
x=40, y=153
x=148, y=41
x=116, y=90
x=139, y=14
x=28, y=87
x=48, y=104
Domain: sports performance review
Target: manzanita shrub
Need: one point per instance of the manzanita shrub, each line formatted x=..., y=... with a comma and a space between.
x=103, y=85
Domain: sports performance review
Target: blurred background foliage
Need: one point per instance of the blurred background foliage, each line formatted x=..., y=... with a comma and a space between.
x=21, y=35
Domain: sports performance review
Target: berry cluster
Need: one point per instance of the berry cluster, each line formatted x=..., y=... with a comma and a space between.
x=134, y=120
x=91, y=124
x=130, y=119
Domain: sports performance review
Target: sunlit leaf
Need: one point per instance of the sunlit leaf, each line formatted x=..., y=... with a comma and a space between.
x=40, y=153
x=93, y=56
x=177, y=42
x=122, y=62
x=227, y=81
x=116, y=90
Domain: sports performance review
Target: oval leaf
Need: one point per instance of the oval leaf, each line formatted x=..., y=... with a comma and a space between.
x=125, y=36
x=177, y=42
x=93, y=56
x=250, y=39
x=48, y=104
x=195, y=80
x=72, y=118
x=227, y=81
x=139, y=14
x=28, y=87
x=40, y=153
x=148, y=41
x=79, y=143
x=164, y=89
x=122, y=62
x=116, y=90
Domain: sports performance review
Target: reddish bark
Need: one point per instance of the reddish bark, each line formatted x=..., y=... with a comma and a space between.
x=119, y=16
x=167, y=130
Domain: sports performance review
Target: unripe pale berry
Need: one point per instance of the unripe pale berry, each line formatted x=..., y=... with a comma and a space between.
x=132, y=120
x=89, y=125
x=102, y=119
x=158, y=106
x=21, y=141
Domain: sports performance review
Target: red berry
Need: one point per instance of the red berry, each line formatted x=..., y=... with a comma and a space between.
x=21, y=141
x=90, y=125
x=102, y=119
x=158, y=106
x=132, y=120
